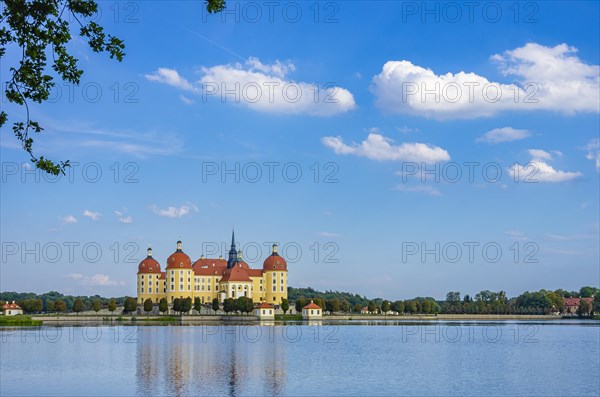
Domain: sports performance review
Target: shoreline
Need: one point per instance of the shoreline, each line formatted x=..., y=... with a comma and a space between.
x=191, y=320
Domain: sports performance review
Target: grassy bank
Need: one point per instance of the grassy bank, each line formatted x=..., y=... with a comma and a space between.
x=19, y=320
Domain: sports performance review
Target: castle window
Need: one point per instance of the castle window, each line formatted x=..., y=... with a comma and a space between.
x=180, y=264
x=209, y=287
x=172, y=287
x=282, y=288
x=188, y=279
x=157, y=283
x=149, y=270
x=150, y=290
x=274, y=289
x=180, y=287
x=189, y=287
x=203, y=288
x=142, y=282
x=142, y=290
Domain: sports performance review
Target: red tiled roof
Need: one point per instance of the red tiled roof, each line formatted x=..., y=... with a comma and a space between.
x=265, y=305
x=149, y=265
x=210, y=262
x=179, y=259
x=575, y=301
x=255, y=272
x=12, y=305
x=366, y=308
x=236, y=273
x=274, y=262
x=312, y=305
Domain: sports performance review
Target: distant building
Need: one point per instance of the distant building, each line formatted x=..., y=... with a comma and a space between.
x=312, y=311
x=364, y=310
x=208, y=278
x=265, y=311
x=11, y=309
x=572, y=304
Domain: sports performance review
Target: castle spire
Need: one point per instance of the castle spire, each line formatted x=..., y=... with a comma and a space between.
x=233, y=254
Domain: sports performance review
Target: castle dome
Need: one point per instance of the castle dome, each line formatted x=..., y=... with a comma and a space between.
x=149, y=264
x=274, y=261
x=179, y=259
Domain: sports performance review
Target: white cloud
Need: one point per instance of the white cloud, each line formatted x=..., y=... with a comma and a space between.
x=92, y=215
x=171, y=77
x=262, y=87
x=186, y=100
x=123, y=218
x=69, y=219
x=380, y=148
x=174, y=212
x=549, y=78
x=516, y=235
x=96, y=280
x=539, y=154
x=593, y=148
x=505, y=134
x=328, y=234
x=538, y=170
x=426, y=189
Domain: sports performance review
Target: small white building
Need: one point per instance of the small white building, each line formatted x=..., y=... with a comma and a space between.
x=11, y=309
x=312, y=311
x=265, y=311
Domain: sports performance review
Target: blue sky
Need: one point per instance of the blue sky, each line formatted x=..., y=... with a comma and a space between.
x=348, y=82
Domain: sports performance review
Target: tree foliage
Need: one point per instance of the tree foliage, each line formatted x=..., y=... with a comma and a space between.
x=163, y=305
x=78, y=306
x=215, y=305
x=37, y=28
x=148, y=305
x=285, y=305
x=130, y=305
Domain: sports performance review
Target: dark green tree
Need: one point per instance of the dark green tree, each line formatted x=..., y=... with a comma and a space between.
x=357, y=308
x=584, y=308
x=185, y=305
x=345, y=306
x=176, y=305
x=148, y=305
x=215, y=305
x=112, y=306
x=385, y=306
x=229, y=305
x=163, y=305
x=197, y=305
x=60, y=306
x=78, y=306
x=426, y=306
x=130, y=305
x=588, y=292
x=285, y=305
x=96, y=306
x=300, y=303
x=372, y=307
x=398, y=306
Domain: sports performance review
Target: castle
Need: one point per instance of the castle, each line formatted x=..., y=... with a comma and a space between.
x=208, y=279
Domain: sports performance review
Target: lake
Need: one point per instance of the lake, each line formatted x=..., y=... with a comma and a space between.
x=451, y=358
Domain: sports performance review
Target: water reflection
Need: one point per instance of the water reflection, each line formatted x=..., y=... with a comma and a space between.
x=226, y=360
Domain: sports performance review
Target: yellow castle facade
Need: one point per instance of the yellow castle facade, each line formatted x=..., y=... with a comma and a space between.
x=208, y=278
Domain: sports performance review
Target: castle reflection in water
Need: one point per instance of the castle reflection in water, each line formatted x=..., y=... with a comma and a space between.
x=204, y=360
